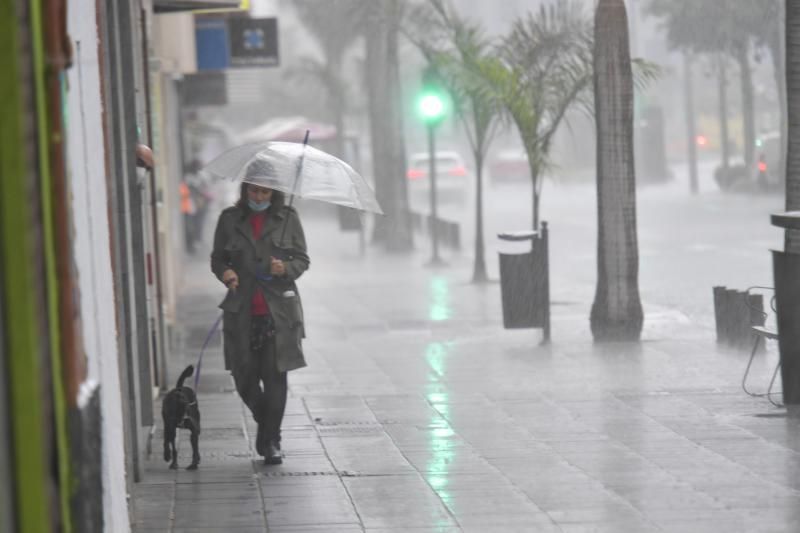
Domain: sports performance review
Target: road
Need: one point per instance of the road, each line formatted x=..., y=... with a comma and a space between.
x=687, y=243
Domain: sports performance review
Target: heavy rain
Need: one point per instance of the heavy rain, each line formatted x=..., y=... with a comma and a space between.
x=400, y=265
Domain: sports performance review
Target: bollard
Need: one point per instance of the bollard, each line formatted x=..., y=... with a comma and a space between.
x=735, y=313
x=719, y=295
x=740, y=322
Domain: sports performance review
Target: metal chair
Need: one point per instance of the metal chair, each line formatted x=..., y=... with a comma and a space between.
x=762, y=332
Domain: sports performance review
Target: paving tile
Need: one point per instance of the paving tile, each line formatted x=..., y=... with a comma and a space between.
x=222, y=515
x=326, y=528
x=216, y=528
x=441, y=529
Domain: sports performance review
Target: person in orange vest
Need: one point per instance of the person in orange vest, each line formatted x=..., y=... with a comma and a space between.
x=188, y=210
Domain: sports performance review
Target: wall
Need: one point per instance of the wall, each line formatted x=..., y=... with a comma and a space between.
x=174, y=38
x=86, y=167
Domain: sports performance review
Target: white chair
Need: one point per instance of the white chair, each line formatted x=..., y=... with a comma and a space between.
x=762, y=332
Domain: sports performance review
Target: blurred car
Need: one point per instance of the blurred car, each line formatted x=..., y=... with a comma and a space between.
x=453, y=179
x=764, y=174
x=768, y=160
x=508, y=166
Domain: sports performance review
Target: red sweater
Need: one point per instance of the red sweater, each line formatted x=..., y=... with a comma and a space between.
x=258, y=305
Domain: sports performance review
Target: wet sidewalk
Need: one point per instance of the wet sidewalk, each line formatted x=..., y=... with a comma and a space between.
x=419, y=413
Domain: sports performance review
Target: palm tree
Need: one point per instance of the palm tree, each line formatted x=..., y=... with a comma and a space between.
x=729, y=33
x=772, y=36
x=617, y=310
x=335, y=28
x=793, y=144
x=544, y=68
x=461, y=56
x=382, y=20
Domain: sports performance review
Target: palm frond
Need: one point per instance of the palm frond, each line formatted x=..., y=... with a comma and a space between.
x=644, y=72
x=333, y=25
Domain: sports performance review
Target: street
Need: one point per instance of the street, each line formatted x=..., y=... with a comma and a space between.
x=687, y=244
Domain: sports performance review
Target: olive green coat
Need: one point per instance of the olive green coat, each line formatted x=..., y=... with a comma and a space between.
x=235, y=248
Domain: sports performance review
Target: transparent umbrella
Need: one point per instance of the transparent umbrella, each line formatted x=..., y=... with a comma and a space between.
x=296, y=169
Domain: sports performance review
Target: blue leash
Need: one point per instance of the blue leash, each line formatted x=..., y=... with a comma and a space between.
x=208, y=339
x=203, y=350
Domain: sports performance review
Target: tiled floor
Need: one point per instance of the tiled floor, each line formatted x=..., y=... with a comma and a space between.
x=419, y=413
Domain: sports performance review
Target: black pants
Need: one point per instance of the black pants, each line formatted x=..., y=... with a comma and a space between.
x=262, y=388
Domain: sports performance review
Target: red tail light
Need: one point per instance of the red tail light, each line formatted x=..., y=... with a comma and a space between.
x=762, y=166
x=458, y=171
x=415, y=174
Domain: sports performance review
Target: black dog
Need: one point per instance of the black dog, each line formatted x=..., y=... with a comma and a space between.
x=180, y=410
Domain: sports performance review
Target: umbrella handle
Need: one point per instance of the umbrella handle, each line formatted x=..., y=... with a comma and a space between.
x=296, y=181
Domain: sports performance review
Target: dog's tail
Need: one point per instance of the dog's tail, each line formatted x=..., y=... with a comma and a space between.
x=188, y=371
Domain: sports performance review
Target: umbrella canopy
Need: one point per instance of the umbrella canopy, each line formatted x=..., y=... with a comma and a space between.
x=296, y=169
x=289, y=129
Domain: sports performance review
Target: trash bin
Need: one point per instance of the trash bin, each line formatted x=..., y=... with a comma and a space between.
x=525, y=280
x=786, y=266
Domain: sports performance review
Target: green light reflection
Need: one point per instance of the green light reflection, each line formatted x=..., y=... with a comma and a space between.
x=440, y=300
x=441, y=437
x=435, y=354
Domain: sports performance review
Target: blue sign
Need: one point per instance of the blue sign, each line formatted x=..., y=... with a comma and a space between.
x=253, y=42
x=211, y=37
x=235, y=41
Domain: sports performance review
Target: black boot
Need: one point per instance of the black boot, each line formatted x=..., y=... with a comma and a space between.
x=273, y=454
x=261, y=441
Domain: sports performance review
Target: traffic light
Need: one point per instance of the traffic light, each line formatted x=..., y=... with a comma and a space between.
x=432, y=100
x=431, y=106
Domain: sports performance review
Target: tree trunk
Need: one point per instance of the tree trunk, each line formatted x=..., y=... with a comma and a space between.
x=534, y=170
x=386, y=128
x=534, y=193
x=375, y=44
x=617, y=310
x=691, y=130
x=724, y=138
x=748, y=105
x=776, y=44
x=336, y=100
x=479, y=270
x=400, y=237
x=793, y=138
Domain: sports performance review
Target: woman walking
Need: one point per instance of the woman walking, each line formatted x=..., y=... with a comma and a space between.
x=259, y=252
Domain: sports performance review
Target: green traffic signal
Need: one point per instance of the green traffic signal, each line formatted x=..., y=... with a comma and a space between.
x=431, y=107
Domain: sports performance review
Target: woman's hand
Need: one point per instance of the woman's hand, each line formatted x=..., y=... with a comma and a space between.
x=230, y=279
x=277, y=267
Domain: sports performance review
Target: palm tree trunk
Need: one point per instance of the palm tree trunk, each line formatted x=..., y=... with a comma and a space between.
x=479, y=270
x=400, y=238
x=724, y=138
x=375, y=48
x=617, y=310
x=793, y=138
x=534, y=170
x=748, y=106
x=776, y=44
x=691, y=130
x=388, y=145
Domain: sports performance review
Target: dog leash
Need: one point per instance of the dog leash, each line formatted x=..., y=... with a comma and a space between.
x=203, y=351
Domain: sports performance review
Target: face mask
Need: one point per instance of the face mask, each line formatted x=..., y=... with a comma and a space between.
x=258, y=207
